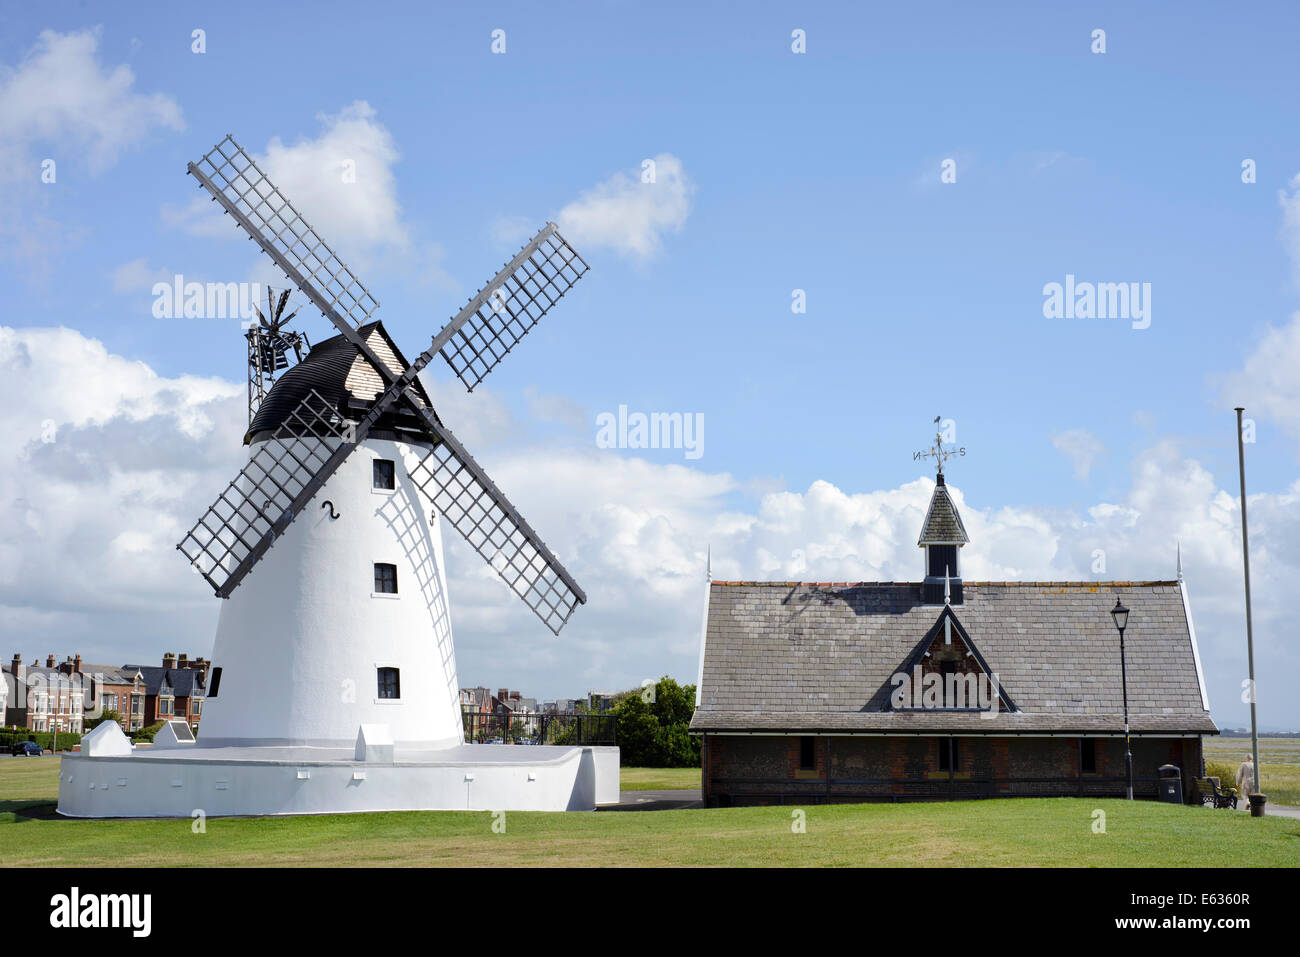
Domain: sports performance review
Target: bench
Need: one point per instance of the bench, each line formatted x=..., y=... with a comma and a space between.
x=1209, y=792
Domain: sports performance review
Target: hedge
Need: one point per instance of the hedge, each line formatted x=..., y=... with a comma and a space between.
x=146, y=734
x=12, y=736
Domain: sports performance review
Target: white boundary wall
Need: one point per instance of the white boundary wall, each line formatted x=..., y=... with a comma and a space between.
x=222, y=782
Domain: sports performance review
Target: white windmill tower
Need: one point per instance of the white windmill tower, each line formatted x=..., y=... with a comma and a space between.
x=334, y=641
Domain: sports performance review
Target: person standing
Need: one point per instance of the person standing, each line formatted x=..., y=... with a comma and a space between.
x=1245, y=778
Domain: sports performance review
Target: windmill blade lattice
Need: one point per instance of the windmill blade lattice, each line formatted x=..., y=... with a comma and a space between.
x=464, y=495
x=255, y=507
x=231, y=176
x=507, y=308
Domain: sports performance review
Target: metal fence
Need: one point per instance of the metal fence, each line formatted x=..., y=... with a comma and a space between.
x=483, y=728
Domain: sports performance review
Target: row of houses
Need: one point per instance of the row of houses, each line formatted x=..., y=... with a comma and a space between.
x=61, y=696
x=481, y=701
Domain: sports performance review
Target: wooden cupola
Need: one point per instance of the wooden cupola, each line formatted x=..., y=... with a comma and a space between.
x=942, y=536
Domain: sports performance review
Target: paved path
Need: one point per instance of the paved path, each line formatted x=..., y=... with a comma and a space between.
x=655, y=800
x=1272, y=810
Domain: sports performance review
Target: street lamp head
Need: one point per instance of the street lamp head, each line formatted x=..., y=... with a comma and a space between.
x=1120, y=614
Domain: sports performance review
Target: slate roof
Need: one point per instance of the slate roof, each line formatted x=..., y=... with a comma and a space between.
x=112, y=674
x=942, y=525
x=795, y=656
x=184, y=682
x=48, y=677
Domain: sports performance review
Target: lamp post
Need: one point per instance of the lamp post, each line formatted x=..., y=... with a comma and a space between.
x=1120, y=614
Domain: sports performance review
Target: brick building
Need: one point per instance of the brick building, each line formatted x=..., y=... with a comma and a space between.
x=46, y=698
x=61, y=695
x=826, y=692
x=476, y=700
x=176, y=690
x=119, y=689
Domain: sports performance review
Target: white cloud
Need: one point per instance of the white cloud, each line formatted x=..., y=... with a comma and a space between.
x=137, y=277
x=556, y=408
x=1081, y=448
x=1290, y=230
x=315, y=174
x=479, y=419
x=511, y=232
x=106, y=464
x=1268, y=381
x=60, y=102
x=628, y=215
x=61, y=95
x=343, y=182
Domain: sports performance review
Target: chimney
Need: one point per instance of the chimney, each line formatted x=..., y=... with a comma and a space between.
x=16, y=666
x=76, y=664
x=169, y=660
x=503, y=694
x=183, y=661
x=49, y=661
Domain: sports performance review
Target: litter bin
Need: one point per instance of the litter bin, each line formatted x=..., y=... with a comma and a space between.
x=1256, y=805
x=1171, y=783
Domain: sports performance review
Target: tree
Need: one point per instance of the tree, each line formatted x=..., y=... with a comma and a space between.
x=653, y=726
x=92, y=723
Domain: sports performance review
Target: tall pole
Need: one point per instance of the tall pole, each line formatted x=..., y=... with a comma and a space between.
x=1250, y=635
x=1128, y=750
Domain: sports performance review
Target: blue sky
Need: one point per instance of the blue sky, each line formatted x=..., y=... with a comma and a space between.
x=818, y=172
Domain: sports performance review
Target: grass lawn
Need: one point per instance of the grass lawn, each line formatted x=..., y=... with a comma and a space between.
x=658, y=779
x=1049, y=831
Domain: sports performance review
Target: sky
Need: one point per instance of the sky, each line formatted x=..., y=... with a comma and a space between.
x=838, y=246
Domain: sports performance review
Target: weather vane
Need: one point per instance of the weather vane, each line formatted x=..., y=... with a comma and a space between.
x=938, y=451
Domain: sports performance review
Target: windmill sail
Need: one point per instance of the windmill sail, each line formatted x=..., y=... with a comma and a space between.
x=507, y=308
x=258, y=504
x=242, y=189
x=470, y=501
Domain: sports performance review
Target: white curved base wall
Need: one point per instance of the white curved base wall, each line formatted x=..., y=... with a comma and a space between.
x=272, y=781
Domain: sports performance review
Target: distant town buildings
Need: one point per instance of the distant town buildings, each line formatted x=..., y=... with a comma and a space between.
x=59, y=697
x=481, y=701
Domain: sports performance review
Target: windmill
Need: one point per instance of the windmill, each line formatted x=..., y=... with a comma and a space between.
x=349, y=421
x=269, y=342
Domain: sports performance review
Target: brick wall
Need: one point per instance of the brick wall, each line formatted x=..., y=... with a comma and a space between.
x=765, y=769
